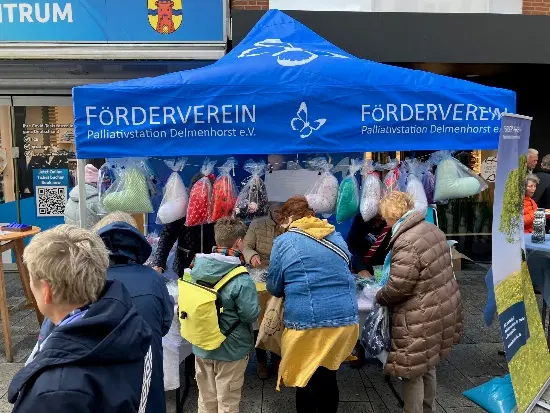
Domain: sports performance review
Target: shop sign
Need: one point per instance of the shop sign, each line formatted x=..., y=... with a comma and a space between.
x=101, y=21
x=489, y=168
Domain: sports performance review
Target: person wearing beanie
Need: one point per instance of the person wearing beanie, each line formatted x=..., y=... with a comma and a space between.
x=93, y=206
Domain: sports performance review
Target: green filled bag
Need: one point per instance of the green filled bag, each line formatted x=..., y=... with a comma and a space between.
x=129, y=193
x=348, y=194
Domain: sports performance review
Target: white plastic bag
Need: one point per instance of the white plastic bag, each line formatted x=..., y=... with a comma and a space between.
x=224, y=192
x=375, y=338
x=252, y=201
x=130, y=192
x=371, y=192
x=322, y=196
x=453, y=179
x=415, y=188
x=348, y=194
x=366, y=298
x=174, y=202
x=200, y=198
x=171, y=344
x=392, y=177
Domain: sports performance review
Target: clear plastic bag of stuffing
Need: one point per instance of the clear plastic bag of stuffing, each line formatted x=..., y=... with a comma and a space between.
x=252, y=201
x=392, y=177
x=130, y=192
x=366, y=297
x=200, y=198
x=348, y=203
x=259, y=275
x=174, y=202
x=323, y=195
x=415, y=188
x=106, y=177
x=428, y=181
x=371, y=191
x=375, y=337
x=453, y=179
x=224, y=191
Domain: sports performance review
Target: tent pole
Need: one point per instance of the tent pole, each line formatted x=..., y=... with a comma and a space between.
x=81, y=172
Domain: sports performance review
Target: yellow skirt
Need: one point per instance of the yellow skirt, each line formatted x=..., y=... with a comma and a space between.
x=304, y=351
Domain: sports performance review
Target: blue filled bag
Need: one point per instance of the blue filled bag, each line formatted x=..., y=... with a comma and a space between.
x=495, y=396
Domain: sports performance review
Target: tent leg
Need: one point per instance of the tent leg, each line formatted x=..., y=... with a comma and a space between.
x=81, y=172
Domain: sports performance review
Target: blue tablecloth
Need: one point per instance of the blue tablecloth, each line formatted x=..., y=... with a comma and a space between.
x=538, y=261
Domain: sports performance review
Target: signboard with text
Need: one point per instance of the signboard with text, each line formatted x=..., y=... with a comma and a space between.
x=113, y=21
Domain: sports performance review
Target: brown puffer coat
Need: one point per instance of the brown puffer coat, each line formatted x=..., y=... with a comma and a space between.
x=424, y=298
x=259, y=239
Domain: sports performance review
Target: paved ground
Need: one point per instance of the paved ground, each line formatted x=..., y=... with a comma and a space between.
x=473, y=362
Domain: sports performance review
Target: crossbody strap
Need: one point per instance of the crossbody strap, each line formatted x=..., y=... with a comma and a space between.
x=330, y=245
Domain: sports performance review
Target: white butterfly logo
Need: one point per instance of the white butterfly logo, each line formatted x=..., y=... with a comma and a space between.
x=301, y=123
x=295, y=56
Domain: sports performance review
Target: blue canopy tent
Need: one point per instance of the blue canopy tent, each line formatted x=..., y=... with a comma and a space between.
x=286, y=90
x=283, y=90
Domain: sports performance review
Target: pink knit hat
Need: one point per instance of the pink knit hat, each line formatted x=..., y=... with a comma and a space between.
x=92, y=174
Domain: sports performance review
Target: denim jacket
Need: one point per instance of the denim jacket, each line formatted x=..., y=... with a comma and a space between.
x=317, y=285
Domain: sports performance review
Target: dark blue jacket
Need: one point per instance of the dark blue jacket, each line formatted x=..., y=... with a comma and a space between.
x=95, y=364
x=128, y=251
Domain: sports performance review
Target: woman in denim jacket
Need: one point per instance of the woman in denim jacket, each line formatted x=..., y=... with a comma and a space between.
x=320, y=311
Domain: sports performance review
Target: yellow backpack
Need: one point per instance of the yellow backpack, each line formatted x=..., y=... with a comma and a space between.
x=199, y=311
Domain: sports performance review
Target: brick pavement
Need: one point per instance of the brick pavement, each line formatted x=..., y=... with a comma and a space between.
x=473, y=362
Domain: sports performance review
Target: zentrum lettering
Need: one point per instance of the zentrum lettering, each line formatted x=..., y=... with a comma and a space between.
x=35, y=12
x=429, y=111
x=170, y=115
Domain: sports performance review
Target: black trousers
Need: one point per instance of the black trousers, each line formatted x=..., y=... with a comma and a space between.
x=261, y=355
x=321, y=394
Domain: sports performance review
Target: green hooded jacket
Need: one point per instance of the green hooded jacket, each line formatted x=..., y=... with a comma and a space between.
x=239, y=301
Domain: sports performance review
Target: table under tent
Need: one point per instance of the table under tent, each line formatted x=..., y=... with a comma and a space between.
x=284, y=90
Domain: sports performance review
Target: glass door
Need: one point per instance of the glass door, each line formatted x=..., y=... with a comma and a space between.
x=43, y=133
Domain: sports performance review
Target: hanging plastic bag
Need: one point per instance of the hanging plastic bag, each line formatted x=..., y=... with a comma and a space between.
x=225, y=192
x=415, y=188
x=174, y=202
x=200, y=198
x=252, y=201
x=375, y=337
x=453, y=179
x=495, y=396
x=366, y=297
x=371, y=192
x=348, y=194
x=392, y=177
x=403, y=175
x=106, y=177
x=130, y=190
x=323, y=195
x=428, y=182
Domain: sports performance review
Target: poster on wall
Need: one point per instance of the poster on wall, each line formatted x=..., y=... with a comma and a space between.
x=520, y=322
x=45, y=137
x=50, y=186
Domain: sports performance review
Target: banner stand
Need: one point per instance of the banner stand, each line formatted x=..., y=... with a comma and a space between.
x=520, y=322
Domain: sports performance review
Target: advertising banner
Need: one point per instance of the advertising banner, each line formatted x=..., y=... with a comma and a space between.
x=113, y=21
x=520, y=322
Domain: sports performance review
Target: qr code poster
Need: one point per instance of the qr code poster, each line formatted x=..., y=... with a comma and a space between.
x=50, y=201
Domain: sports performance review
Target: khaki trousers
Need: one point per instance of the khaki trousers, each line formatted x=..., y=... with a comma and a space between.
x=419, y=393
x=220, y=384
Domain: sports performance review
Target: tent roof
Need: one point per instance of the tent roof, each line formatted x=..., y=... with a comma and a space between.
x=268, y=83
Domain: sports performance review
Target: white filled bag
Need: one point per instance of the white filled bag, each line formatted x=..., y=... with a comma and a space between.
x=416, y=190
x=322, y=196
x=371, y=192
x=174, y=202
x=454, y=180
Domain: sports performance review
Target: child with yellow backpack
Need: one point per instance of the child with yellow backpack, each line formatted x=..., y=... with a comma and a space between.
x=217, y=309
